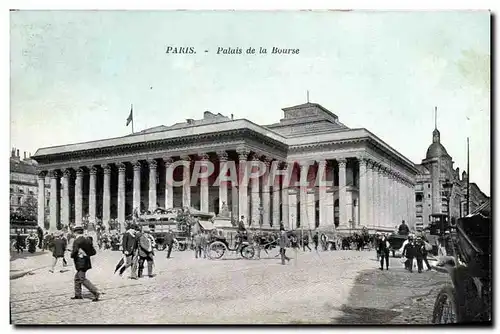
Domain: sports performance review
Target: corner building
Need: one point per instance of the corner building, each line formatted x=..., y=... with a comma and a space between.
x=371, y=184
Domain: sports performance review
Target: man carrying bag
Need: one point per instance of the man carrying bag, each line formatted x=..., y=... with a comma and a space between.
x=82, y=251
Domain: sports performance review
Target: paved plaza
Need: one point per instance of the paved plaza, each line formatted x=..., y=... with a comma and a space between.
x=340, y=287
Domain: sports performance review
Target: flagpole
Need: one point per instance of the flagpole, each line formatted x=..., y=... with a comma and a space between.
x=468, y=177
x=132, y=112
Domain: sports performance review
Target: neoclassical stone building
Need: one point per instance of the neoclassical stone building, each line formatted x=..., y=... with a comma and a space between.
x=372, y=184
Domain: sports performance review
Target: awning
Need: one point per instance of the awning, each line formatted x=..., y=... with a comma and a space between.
x=206, y=225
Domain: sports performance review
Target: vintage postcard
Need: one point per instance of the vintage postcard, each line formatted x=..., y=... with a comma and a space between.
x=246, y=167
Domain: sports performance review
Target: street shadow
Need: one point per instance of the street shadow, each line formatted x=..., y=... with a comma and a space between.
x=364, y=306
x=24, y=255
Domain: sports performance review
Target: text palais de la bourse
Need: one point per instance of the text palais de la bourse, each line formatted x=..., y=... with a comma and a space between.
x=233, y=51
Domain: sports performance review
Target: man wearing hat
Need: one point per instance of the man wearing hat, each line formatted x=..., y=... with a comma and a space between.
x=383, y=249
x=129, y=247
x=59, y=247
x=82, y=251
x=145, y=251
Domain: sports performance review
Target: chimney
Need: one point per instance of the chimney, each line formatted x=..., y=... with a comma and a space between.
x=232, y=117
x=17, y=154
x=24, y=155
x=13, y=153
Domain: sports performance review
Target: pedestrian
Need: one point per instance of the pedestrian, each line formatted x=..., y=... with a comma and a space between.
x=409, y=253
x=169, y=241
x=81, y=253
x=39, y=231
x=383, y=247
x=305, y=242
x=419, y=253
x=129, y=246
x=197, y=245
x=283, y=245
x=19, y=242
x=204, y=243
x=60, y=245
x=315, y=241
x=146, y=251
x=377, y=244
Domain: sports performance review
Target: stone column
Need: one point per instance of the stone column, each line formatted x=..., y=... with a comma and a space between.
x=79, y=197
x=222, y=155
x=121, y=195
x=369, y=193
x=385, y=198
x=53, y=200
x=204, y=201
x=255, y=194
x=266, y=196
x=136, y=199
x=304, y=217
x=152, y=185
x=186, y=181
x=169, y=191
x=377, y=194
x=276, y=201
x=92, y=194
x=65, y=198
x=242, y=185
x=392, y=199
x=363, y=192
x=285, y=203
x=41, y=200
x=106, y=195
x=342, y=193
x=323, y=207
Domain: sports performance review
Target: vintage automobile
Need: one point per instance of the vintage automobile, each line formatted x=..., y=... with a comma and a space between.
x=468, y=299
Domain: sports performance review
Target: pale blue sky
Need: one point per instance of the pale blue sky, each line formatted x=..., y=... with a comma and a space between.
x=75, y=74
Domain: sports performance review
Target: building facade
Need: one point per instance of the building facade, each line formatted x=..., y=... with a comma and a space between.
x=371, y=184
x=430, y=196
x=23, y=180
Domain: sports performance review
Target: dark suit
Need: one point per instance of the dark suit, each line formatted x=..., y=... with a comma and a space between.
x=82, y=264
x=383, y=252
x=169, y=241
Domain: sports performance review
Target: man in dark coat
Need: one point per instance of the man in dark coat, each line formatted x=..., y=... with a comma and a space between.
x=145, y=251
x=305, y=242
x=129, y=248
x=60, y=245
x=169, y=241
x=39, y=231
x=403, y=229
x=383, y=250
x=19, y=242
x=316, y=240
x=82, y=251
x=409, y=252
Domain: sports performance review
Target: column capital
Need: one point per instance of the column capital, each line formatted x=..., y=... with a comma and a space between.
x=342, y=162
x=122, y=167
x=283, y=165
x=185, y=158
x=42, y=174
x=256, y=157
x=152, y=164
x=106, y=169
x=363, y=161
x=242, y=154
x=371, y=163
x=268, y=161
x=322, y=163
x=168, y=161
x=203, y=156
x=80, y=172
x=53, y=174
x=137, y=165
x=93, y=170
x=67, y=173
x=222, y=155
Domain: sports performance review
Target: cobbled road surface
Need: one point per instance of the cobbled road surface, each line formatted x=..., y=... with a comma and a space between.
x=339, y=287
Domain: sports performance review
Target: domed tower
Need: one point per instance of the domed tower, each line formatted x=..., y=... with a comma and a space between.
x=433, y=161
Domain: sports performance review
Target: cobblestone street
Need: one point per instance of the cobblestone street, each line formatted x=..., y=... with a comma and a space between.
x=327, y=287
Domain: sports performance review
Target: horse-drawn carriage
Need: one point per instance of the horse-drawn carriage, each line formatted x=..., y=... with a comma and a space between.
x=247, y=244
x=469, y=297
